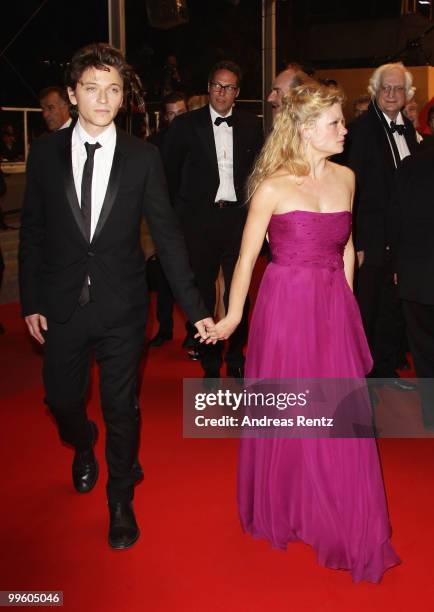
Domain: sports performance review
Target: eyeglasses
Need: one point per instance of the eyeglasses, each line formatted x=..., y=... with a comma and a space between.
x=219, y=87
x=388, y=89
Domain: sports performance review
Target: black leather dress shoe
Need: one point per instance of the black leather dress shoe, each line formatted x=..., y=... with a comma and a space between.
x=404, y=384
x=160, y=339
x=394, y=381
x=85, y=466
x=123, y=530
x=235, y=372
x=193, y=354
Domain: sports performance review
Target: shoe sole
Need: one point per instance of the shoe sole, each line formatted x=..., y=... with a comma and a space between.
x=113, y=547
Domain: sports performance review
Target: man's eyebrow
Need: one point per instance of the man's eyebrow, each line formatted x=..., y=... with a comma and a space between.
x=96, y=83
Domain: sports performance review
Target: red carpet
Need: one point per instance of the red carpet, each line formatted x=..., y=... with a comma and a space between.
x=192, y=554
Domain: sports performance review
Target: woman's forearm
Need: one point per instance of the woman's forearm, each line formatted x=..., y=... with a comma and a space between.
x=240, y=287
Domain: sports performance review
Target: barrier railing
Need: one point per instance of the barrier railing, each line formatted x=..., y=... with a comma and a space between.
x=27, y=132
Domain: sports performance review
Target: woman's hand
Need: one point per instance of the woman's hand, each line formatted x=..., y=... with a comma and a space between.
x=223, y=329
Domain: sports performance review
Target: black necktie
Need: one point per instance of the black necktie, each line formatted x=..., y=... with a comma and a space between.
x=86, y=207
x=396, y=127
x=229, y=120
x=86, y=186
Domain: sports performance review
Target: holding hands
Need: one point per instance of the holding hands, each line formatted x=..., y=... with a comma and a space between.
x=210, y=332
x=223, y=329
x=206, y=330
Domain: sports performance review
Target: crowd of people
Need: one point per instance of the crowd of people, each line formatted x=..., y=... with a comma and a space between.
x=212, y=194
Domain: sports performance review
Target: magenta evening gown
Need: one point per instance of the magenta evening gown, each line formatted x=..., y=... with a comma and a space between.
x=328, y=493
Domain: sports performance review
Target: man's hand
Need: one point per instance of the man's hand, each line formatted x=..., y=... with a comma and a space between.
x=35, y=323
x=206, y=329
x=360, y=258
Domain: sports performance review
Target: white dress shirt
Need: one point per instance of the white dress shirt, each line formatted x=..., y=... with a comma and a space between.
x=401, y=143
x=102, y=165
x=66, y=124
x=223, y=138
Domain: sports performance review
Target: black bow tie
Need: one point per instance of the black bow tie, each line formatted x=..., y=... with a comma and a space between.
x=229, y=120
x=395, y=127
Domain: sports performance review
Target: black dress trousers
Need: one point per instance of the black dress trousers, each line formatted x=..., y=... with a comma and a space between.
x=420, y=329
x=68, y=352
x=382, y=316
x=217, y=244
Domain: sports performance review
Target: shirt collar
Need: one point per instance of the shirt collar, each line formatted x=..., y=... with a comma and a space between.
x=104, y=139
x=66, y=124
x=398, y=121
x=214, y=114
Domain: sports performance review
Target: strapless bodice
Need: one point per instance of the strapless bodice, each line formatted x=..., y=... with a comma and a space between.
x=306, y=238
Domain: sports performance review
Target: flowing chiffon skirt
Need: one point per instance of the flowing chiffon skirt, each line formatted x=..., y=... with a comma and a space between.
x=326, y=492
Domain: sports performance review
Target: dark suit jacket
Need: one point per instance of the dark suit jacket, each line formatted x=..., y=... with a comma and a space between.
x=158, y=139
x=55, y=256
x=190, y=159
x=413, y=236
x=369, y=155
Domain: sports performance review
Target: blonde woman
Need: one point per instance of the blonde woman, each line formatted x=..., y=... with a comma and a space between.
x=326, y=492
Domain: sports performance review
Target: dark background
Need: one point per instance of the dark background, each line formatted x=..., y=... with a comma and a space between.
x=316, y=32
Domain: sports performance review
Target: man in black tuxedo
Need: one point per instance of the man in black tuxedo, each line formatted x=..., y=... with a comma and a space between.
x=82, y=271
x=54, y=103
x=208, y=154
x=414, y=257
x=377, y=142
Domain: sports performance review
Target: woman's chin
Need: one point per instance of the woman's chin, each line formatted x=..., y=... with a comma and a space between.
x=338, y=149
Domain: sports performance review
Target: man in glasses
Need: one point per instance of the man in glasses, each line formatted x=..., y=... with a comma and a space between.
x=208, y=154
x=377, y=143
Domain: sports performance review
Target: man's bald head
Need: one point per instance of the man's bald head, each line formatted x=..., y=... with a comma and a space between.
x=283, y=83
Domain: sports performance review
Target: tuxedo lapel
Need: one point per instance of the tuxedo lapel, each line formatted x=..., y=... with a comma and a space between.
x=385, y=139
x=205, y=130
x=410, y=136
x=113, y=184
x=68, y=179
x=237, y=149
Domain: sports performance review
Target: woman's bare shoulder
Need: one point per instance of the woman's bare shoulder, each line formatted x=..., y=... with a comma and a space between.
x=277, y=181
x=270, y=190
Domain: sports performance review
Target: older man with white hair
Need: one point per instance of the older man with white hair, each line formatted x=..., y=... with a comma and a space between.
x=377, y=143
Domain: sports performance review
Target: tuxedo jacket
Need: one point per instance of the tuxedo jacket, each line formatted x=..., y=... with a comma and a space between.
x=413, y=236
x=370, y=156
x=190, y=160
x=55, y=256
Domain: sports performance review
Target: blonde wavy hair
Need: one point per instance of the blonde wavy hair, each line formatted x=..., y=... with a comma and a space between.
x=284, y=147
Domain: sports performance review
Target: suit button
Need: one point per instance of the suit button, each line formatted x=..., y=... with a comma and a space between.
x=90, y=253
